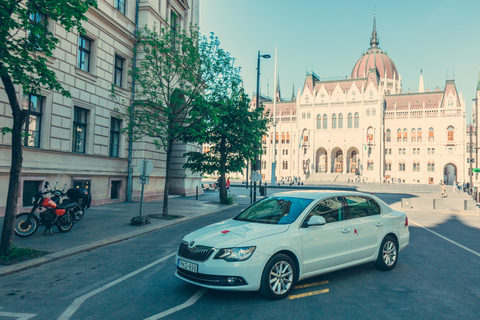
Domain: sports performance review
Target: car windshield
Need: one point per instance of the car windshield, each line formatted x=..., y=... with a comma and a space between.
x=274, y=210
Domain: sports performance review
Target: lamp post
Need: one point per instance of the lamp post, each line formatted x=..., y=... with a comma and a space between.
x=255, y=163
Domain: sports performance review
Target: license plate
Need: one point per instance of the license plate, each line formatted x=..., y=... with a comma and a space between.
x=192, y=267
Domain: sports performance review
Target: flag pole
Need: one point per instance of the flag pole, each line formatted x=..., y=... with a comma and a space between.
x=274, y=121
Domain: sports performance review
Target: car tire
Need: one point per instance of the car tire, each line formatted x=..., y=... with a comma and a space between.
x=387, y=254
x=278, y=278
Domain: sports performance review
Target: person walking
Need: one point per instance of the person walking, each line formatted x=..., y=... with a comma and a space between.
x=444, y=190
x=228, y=183
x=454, y=186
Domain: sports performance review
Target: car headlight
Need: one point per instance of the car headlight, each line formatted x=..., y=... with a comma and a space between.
x=235, y=254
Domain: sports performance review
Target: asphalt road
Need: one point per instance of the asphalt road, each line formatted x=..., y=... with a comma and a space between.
x=436, y=278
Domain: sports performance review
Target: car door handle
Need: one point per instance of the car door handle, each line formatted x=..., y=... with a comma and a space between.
x=379, y=224
x=345, y=230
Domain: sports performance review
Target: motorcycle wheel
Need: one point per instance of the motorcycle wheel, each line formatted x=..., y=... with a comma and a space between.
x=66, y=222
x=26, y=226
x=79, y=212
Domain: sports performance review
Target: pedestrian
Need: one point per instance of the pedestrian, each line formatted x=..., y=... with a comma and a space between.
x=444, y=190
x=464, y=186
x=454, y=186
x=228, y=183
x=468, y=187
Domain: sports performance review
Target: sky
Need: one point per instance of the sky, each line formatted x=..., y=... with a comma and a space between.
x=439, y=38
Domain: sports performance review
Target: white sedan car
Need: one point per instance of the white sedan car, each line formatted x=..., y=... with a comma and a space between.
x=291, y=236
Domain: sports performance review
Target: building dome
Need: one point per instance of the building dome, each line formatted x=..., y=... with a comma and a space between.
x=375, y=58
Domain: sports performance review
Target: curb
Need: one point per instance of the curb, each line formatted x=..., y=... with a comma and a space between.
x=8, y=270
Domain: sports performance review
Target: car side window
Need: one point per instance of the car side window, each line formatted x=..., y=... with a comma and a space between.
x=331, y=209
x=357, y=207
x=374, y=207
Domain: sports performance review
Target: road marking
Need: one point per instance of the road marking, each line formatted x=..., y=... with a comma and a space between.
x=18, y=316
x=310, y=284
x=308, y=294
x=184, y=305
x=445, y=238
x=78, y=302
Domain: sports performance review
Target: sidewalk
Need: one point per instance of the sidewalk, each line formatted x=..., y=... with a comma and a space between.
x=106, y=224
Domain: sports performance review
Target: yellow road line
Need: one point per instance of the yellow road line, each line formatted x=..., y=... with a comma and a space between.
x=310, y=284
x=308, y=294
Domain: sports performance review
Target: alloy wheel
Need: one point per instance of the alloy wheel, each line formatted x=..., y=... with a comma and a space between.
x=281, y=277
x=389, y=253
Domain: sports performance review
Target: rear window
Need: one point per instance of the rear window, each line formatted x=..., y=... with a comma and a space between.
x=274, y=210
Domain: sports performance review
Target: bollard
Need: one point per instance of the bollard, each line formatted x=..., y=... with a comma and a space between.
x=469, y=205
x=196, y=194
x=438, y=204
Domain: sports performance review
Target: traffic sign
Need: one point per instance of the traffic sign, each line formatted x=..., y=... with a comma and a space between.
x=476, y=169
x=256, y=176
x=146, y=165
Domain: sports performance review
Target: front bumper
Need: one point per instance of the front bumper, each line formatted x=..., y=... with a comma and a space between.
x=221, y=275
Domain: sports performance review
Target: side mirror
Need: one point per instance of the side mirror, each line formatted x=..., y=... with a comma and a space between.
x=46, y=185
x=316, y=221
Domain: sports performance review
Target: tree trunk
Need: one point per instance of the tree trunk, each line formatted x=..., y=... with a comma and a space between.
x=223, y=165
x=16, y=165
x=167, y=177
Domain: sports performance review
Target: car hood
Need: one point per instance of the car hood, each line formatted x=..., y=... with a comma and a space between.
x=229, y=233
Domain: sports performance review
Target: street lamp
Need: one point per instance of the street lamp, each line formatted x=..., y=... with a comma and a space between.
x=255, y=164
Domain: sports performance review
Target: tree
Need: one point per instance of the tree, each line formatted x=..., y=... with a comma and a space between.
x=25, y=45
x=234, y=134
x=176, y=68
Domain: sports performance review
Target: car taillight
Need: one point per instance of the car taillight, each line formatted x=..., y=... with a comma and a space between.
x=406, y=221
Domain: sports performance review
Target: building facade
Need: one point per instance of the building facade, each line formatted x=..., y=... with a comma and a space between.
x=79, y=142
x=364, y=128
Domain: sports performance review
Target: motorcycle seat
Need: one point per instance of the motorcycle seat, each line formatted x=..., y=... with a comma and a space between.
x=66, y=205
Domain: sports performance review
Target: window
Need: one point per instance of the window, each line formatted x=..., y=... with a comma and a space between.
x=414, y=135
x=118, y=77
x=30, y=190
x=330, y=209
x=264, y=139
x=283, y=137
x=416, y=166
x=389, y=135
x=450, y=133
x=303, y=115
x=399, y=135
x=264, y=164
x=349, y=121
x=433, y=150
x=276, y=137
x=374, y=112
x=285, y=165
x=431, y=166
x=37, y=20
x=430, y=134
x=84, y=52
x=388, y=166
x=340, y=121
x=374, y=207
x=419, y=135
x=288, y=137
x=403, y=151
x=115, y=136
x=319, y=122
x=325, y=120
x=357, y=207
x=334, y=121
x=115, y=189
x=400, y=151
x=370, y=165
x=368, y=112
x=173, y=21
x=357, y=120
x=79, y=129
x=32, y=108
x=79, y=183
x=308, y=115
x=405, y=135
x=401, y=166
x=120, y=5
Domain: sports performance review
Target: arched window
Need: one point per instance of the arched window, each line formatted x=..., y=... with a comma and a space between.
x=283, y=137
x=276, y=138
x=357, y=120
x=264, y=139
x=350, y=118
x=431, y=135
x=325, y=120
x=419, y=135
x=399, y=135
x=340, y=121
x=334, y=121
x=319, y=122
x=414, y=135
x=288, y=137
x=389, y=135
x=405, y=135
x=450, y=133
x=370, y=95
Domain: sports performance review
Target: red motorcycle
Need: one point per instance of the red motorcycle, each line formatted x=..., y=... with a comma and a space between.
x=51, y=212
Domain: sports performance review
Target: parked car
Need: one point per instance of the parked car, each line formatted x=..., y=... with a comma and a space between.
x=292, y=236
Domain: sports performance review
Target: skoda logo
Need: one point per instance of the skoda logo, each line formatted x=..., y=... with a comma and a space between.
x=192, y=243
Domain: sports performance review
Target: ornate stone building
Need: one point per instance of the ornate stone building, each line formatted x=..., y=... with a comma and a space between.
x=78, y=141
x=365, y=128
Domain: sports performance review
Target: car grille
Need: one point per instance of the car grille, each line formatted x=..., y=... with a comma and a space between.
x=198, y=253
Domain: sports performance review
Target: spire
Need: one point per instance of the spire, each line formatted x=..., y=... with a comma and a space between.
x=478, y=83
x=293, y=93
x=421, y=87
x=277, y=90
x=374, y=40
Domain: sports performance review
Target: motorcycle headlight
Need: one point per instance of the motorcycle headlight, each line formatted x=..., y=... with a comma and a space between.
x=235, y=254
x=33, y=200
